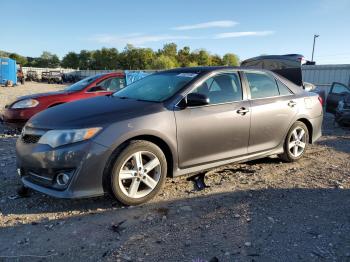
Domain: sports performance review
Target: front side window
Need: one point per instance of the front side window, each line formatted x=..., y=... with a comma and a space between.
x=112, y=84
x=261, y=85
x=156, y=87
x=221, y=88
x=339, y=89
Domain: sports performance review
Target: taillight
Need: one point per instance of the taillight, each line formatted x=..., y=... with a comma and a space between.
x=321, y=100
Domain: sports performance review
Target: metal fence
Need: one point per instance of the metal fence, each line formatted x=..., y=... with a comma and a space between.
x=76, y=72
x=40, y=70
x=324, y=75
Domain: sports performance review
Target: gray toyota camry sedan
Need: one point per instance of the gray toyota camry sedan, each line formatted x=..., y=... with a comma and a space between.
x=168, y=124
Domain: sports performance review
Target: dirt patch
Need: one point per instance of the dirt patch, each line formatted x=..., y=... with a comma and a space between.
x=263, y=210
x=9, y=94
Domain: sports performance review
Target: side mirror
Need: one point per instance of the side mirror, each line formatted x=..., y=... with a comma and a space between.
x=195, y=99
x=309, y=87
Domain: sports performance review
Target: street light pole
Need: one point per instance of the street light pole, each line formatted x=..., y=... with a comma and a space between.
x=313, y=47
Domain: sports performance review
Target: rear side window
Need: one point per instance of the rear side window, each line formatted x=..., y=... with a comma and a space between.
x=284, y=90
x=221, y=88
x=261, y=85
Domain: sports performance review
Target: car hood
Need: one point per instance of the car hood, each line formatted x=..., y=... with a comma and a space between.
x=33, y=96
x=98, y=111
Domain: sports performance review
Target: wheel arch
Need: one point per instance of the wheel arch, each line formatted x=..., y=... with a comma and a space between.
x=309, y=127
x=150, y=138
x=162, y=145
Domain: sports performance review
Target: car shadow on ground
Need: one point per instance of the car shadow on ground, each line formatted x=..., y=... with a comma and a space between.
x=267, y=225
x=38, y=203
x=338, y=143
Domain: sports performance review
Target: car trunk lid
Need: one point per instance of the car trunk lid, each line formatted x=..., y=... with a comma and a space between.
x=288, y=66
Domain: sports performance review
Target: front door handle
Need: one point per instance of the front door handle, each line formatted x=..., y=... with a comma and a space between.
x=242, y=111
x=292, y=103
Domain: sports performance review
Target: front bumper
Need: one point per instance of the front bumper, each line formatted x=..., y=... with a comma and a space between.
x=16, y=118
x=40, y=164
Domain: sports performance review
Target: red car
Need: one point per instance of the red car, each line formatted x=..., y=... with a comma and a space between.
x=20, y=111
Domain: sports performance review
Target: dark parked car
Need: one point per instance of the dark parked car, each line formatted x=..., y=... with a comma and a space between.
x=44, y=76
x=54, y=77
x=338, y=103
x=170, y=123
x=288, y=66
x=32, y=76
x=17, y=113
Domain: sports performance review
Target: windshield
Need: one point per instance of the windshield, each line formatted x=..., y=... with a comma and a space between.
x=156, y=87
x=82, y=83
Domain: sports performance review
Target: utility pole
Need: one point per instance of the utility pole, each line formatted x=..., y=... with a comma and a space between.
x=313, y=47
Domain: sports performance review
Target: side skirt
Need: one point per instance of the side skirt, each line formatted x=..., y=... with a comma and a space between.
x=241, y=159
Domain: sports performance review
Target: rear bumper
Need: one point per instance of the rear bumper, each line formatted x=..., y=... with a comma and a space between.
x=316, y=128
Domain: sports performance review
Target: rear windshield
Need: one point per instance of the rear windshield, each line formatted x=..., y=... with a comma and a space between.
x=82, y=83
x=156, y=87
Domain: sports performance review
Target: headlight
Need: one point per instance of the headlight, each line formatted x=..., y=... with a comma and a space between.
x=56, y=138
x=26, y=103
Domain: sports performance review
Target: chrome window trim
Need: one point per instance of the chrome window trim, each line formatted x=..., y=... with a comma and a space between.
x=269, y=97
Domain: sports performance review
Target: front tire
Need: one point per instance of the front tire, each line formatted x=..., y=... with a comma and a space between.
x=296, y=142
x=138, y=173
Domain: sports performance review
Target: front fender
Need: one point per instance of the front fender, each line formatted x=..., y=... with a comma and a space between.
x=160, y=125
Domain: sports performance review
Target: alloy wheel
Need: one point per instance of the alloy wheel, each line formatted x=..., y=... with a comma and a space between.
x=139, y=174
x=297, y=142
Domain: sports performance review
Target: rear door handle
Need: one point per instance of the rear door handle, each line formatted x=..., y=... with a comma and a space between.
x=242, y=111
x=292, y=103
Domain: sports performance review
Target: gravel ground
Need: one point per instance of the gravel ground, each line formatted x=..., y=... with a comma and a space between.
x=8, y=94
x=263, y=210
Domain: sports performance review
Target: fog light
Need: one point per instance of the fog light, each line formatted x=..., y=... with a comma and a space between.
x=62, y=179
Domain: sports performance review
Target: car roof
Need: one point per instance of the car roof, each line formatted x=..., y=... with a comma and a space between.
x=197, y=69
x=206, y=69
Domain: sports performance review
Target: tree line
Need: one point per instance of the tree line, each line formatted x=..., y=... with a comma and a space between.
x=131, y=58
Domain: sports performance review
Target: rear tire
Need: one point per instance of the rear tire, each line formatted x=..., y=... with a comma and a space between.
x=295, y=143
x=131, y=182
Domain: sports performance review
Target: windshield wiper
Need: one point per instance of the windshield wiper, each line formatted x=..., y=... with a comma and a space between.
x=144, y=100
x=123, y=97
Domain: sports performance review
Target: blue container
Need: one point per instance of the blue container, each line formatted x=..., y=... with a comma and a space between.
x=8, y=70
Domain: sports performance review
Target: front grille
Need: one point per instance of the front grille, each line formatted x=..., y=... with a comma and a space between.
x=30, y=139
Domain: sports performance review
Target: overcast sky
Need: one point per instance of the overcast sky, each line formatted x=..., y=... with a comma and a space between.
x=247, y=28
